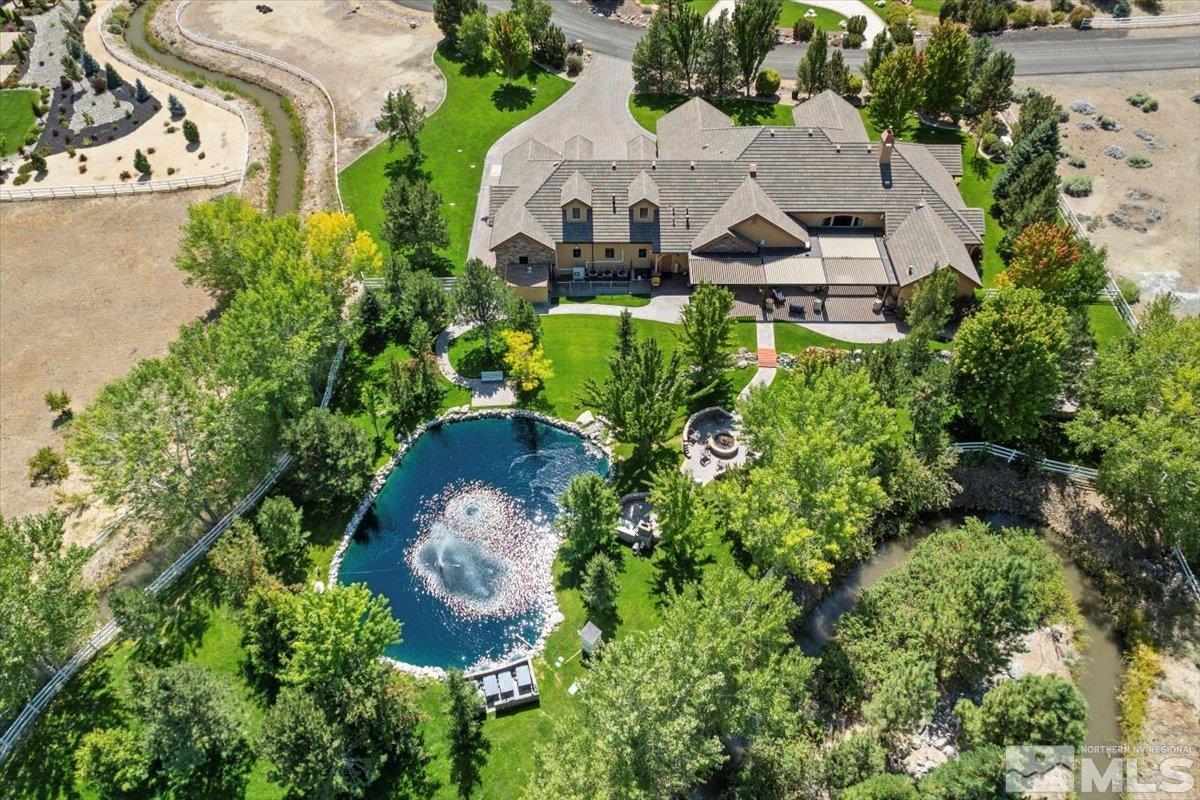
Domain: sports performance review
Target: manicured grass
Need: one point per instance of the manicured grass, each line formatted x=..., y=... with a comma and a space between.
x=1106, y=323
x=470, y=356
x=478, y=109
x=825, y=19
x=625, y=300
x=647, y=108
x=793, y=338
x=16, y=118
x=703, y=6
x=976, y=188
x=927, y=10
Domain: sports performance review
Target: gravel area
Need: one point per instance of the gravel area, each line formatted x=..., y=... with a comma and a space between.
x=47, y=48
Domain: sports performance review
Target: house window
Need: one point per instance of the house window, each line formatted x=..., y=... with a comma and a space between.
x=609, y=252
x=643, y=213
x=523, y=259
x=575, y=212
x=842, y=221
x=576, y=252
x=641, y=252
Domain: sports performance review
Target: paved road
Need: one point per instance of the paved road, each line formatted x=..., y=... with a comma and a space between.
x=1045, y=52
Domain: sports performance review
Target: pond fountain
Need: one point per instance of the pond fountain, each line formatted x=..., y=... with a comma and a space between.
x=459, y=538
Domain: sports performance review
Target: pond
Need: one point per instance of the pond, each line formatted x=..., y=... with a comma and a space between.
x=1099, y=674
x=460, y=538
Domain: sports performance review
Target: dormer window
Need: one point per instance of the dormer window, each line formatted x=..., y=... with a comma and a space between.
x=842, y=221
x=576, y=213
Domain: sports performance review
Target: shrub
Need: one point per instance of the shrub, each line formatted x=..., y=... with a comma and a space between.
x=38, y=159
x=803, y=30
x=1057, y=16
x=1122, y=9
x=21, y=179
x=1139, y=161
x=854, y=85
x=1138, y=98
x=1108, y=123
x=190, y=132
x=767, y=82
x=1062, y=6
x=47, y=465
x=1021, y=17
x=1129, y=289
x=176, y=107
x=1076, y=161
x=82, y=168
x=1077, y=186
x=856, y=24
x=1079, y=14
x=170, y=170
x=58, y=402
x=854, y=40
x=574, y=64
x=1150, y=105
x=1041, y=17
x=201, y=156
x=125, y=175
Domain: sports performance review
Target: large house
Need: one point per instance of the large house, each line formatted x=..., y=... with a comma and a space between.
x=814, y=212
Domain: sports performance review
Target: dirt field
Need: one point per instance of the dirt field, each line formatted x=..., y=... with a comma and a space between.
x=1159, y=253
x=359, y=50
x=222, y=137
x=87, y=288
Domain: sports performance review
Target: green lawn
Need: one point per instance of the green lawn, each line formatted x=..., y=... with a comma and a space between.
x=793, y=338
x=16, y=118
x=625, y=300
x=647, y=108
x=927, y=10
x=1107, y=324
x=478, y=109
x=825, y=19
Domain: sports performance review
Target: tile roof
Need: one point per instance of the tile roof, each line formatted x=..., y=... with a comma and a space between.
x=829, y=112
x=922, y=243
x=747, y=201
x=577, y=147
x=697, y=130
x=641, y=147
x=576, y=188
x=643, y=187
x=949, y=156
x=799, y=170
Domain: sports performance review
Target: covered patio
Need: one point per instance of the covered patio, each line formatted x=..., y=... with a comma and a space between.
x=796, y=304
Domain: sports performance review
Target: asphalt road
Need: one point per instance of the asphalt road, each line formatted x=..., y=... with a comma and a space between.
x=1045, y=52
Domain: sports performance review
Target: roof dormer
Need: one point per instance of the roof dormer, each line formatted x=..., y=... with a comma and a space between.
x=576, y=190
x=643, y=189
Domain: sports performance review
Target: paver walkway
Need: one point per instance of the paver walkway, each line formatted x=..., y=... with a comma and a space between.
x=483, y=393
x=597, y=107
x=764, y=334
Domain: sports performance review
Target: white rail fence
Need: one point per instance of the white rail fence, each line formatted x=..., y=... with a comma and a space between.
x=303, y=74
x=1164, y=21
x=1085, y=475
x=105, y=635
x=143, y=187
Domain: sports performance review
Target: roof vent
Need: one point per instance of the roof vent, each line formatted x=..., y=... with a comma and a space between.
x=771, y=132
x=911, y=269
x=614, y=165
x=838, y=147
x=753, y=169
x=691, y=165
x=687, y=218
x=653, y=165
x=921, y=202
x=810, y=133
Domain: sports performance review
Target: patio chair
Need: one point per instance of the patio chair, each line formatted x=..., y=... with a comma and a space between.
x=796, y=309
x=818, y=305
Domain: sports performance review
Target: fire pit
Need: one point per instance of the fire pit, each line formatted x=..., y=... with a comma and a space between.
x=723, y=444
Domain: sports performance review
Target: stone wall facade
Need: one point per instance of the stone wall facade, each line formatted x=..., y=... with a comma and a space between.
x=517, y=247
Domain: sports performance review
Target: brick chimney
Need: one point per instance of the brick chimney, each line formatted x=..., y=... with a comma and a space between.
x=886, y=143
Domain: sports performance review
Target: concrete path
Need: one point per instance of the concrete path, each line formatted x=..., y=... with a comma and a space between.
x=764, y=335
x=850, y=8
x=482, y=393
x=661, y=308
x=596, y=107
x=855, y=332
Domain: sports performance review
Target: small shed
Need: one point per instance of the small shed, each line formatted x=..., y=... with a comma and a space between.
x=590, y=637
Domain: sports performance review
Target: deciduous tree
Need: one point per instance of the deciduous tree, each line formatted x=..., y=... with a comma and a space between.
x=587, y=521
x=413, y=224
x=896, y=87
x=810, y=74
x=1007, y=370
x=1051, y=258
x=448, y=15
x=753, y=28
x=333, y=457
x=685, y=33
x=707, y=334
x=402, y=119
x=526, y=362
x=685, y=523
x=481, y=298
x=284, y=541
x=509, y=45
x=947, y=68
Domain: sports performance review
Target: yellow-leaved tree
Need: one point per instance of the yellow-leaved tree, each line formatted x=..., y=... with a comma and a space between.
x=527, y=363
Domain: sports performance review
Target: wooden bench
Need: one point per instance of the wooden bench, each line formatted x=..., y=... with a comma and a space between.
x=493, y=376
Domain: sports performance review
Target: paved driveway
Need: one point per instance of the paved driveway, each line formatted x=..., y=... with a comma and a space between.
x=597, y=107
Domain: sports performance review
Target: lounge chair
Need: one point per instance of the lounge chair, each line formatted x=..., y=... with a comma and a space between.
x=507, y=687
x=491, y=688
x=524, y=679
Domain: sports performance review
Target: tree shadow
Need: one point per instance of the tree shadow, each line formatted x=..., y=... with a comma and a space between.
x=671, y=576
x=511, y=97
x=634, y=473
x=42, y=767
x=406, y=166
